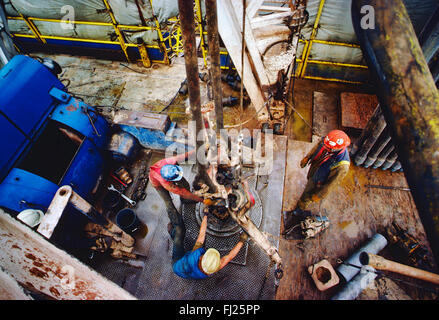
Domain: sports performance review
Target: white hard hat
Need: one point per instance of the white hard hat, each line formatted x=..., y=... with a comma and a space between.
x=211, y=260
x=31, y=217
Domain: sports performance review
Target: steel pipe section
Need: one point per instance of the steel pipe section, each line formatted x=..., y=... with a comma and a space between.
x=187, y=18
x=409, y=100
x=215, y=63
x=351, y=267
x=354, y=287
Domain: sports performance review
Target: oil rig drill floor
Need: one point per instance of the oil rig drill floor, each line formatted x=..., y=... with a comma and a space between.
x=152, y=278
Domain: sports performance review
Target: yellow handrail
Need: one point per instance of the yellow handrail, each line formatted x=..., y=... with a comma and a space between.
x=308, y=45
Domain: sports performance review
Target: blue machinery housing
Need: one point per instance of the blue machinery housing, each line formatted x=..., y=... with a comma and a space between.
x=48, y=138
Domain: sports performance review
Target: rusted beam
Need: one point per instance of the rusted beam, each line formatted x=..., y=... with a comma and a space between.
x=41, y=267
x=409, y=99
x=215, y=64
x=186, y=14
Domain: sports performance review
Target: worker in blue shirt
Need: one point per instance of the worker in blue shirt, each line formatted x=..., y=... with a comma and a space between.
x=329, y=163
x=200, y=263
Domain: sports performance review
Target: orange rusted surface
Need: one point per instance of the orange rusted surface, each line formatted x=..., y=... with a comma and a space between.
x=356, y=109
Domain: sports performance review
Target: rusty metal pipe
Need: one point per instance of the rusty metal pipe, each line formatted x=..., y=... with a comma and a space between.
x=383, y=155
x=396, y=166
x=215, y=63
x=374, y=131
x=390, y=161
x=381, y=263
x=379, y=146
x=409, y=98
x=367, y=131
x=187, y=18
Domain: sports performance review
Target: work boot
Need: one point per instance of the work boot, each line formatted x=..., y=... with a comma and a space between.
x=289, y=234
x=288, y=219
x=292, y=219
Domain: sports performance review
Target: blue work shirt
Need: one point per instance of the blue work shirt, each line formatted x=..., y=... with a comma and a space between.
x=322, y=173
x=187, y=266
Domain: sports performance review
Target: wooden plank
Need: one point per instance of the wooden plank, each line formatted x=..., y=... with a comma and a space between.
x=54, y=212
x=355, y=213
x=325, y=113
x=269, y=19
x=250, y=42
x=356, y=109
x=253, y=7
x=230, y=32
x=37, y=264
x=275, y=8
x=10, y=289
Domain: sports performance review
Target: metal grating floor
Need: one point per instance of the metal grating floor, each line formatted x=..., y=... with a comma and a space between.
x=192, y=217
x=152, y=277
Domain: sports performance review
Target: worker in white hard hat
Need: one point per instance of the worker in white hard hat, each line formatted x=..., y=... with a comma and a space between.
x=200, y=263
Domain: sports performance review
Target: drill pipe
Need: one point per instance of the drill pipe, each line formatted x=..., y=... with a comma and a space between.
x=186, y=13
x=396, y=166
x=367, y=130
x=390, y=161
x=215, y=66
x=381, y=263
x=381, y=143
x=383, y=155
x=375, y=131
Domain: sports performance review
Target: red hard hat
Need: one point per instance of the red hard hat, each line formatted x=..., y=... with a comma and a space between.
x=336, y=139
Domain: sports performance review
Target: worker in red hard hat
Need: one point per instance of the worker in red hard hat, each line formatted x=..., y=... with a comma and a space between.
x=166, y=176
x=329, y=163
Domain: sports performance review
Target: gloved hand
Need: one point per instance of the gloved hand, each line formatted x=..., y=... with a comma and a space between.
x=207, y=202
x=243, y=237
x=304, y=162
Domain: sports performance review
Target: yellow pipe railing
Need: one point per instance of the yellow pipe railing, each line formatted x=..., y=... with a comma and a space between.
x=333, y=63
x=176, y=36
x=117, y=27
x=304, y=60
x=201, y=30
x=161, y=40
x=332, y=79
x=308, y=44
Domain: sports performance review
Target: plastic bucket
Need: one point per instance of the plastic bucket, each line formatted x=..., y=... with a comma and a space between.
x=127, y=220
x=31, y=217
